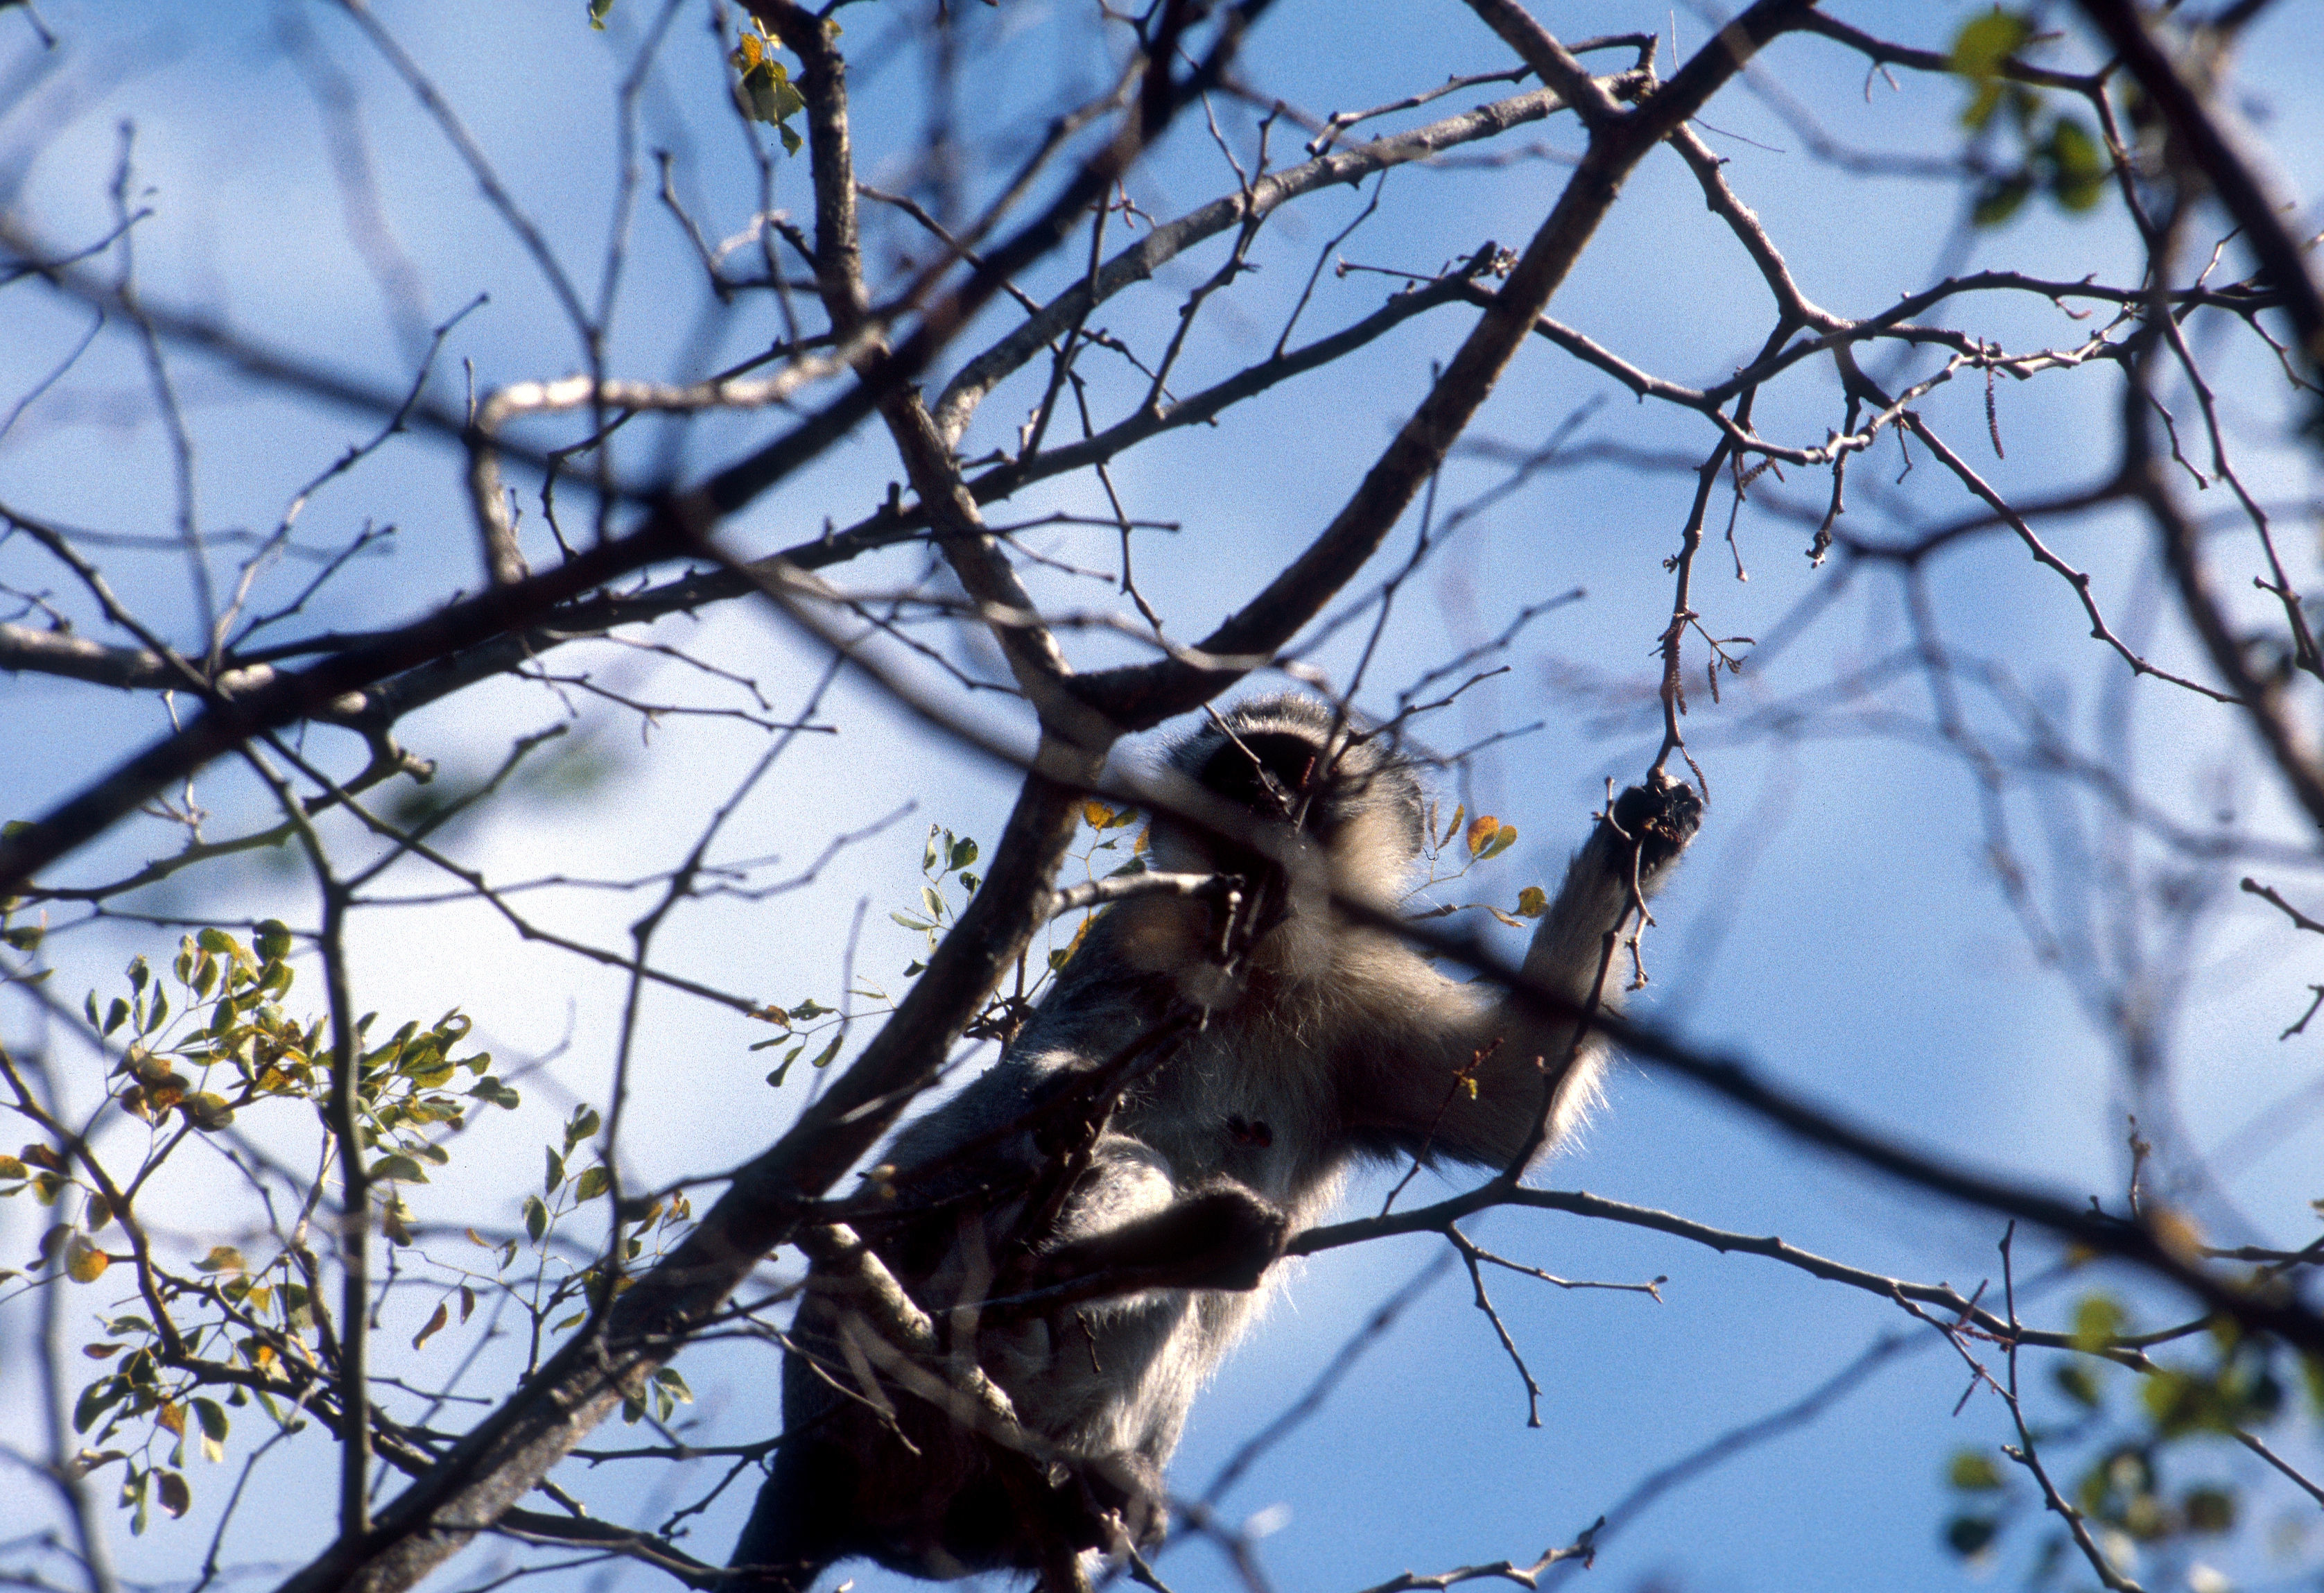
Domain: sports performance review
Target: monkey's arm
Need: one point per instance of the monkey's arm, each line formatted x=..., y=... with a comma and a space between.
x=1461, y=1075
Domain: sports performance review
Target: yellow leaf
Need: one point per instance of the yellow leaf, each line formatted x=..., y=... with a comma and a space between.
x=1481, y=831
x=1095, y=813
x=172, y=1415
x=1531, y=902
x=2176, y=1230
x=84, y=1262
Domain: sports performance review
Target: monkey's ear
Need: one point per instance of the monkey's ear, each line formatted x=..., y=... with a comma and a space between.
x=1221, y=1236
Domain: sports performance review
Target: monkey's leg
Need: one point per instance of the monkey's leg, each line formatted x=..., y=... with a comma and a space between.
x=790, y=1538
x=1218, y=1236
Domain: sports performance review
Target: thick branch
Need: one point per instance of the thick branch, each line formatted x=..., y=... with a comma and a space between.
x=1145, y=695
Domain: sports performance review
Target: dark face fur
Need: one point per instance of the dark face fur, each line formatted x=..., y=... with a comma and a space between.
x=1273, y=767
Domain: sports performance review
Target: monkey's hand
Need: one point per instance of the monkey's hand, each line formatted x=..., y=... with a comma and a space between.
x=1653, y=822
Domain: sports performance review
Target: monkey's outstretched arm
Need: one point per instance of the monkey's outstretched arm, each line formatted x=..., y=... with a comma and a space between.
x=1469, y=1078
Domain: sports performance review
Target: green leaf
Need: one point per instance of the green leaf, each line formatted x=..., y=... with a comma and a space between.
x=1972, y=1471
x=2080, y=167
x=597, y=10
x=503, y=1095
x=399, y=1169
x=963, y=852
x=669, y=1378
x=1984, y=44
x=555, y=1173
x=96, y=1399
x=775, y=1079
x=115, y=1014
x=2098, y=1321
x=212, y=1417
x=536, y=1218
x=206, y=1110
x=593, y=1182
x=2000, y=198
x=823, y=1057
x=2078, y=1382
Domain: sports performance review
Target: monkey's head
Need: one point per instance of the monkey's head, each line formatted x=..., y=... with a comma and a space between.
x=1301, y=792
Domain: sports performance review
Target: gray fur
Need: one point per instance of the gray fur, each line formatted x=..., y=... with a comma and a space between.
x=1319, y=1043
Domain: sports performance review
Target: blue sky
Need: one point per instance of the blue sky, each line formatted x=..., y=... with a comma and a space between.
x=1838, y=921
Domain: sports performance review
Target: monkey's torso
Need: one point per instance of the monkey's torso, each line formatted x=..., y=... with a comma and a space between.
x=1252, y=1099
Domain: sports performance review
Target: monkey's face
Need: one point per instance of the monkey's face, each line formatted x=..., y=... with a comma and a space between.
x=1294, y=792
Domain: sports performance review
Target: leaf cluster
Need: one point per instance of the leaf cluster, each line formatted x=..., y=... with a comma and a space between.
x=200, y=1042
x=763, y=89
x=2056, y=151
x=2145, y=1465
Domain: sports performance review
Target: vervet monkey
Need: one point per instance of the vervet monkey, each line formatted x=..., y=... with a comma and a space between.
x=1083, y=1228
